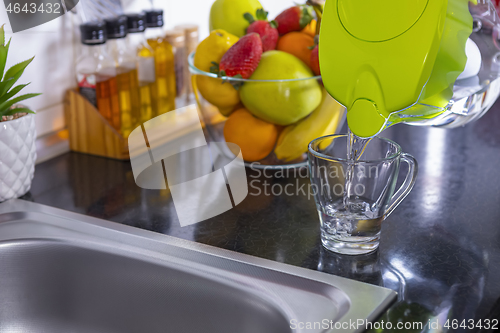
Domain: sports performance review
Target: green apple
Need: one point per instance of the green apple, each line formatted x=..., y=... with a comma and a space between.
x=282, y=103
x=228, y=15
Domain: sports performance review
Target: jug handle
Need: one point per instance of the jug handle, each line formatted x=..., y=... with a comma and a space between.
x=407, y=186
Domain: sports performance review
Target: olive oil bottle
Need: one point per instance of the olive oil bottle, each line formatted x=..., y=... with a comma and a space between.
x=127, y=80
x=164, y=61
x=146, y=69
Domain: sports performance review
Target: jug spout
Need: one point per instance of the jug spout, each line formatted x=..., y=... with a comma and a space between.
x=364, y=118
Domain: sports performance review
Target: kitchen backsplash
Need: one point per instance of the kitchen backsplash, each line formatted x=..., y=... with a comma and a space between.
x=52, y=71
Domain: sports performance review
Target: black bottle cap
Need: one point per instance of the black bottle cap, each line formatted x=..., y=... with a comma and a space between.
x=136, y=22
x=93, y=33
x=154, y=18
x=116, y=27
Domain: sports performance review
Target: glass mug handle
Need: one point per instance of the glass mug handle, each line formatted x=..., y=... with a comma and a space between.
x=407, y=186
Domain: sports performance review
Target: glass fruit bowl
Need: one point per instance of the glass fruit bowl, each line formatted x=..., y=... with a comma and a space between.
x=272, y=121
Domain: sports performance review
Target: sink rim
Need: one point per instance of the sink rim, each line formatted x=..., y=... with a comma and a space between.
x=358, y=294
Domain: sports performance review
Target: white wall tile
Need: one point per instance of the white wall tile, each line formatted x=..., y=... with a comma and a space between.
x=49, y=120
x=51, y=72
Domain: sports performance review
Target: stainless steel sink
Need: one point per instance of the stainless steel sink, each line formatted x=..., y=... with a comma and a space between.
x=64, y=272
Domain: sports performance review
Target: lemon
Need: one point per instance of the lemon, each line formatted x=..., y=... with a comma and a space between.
x=216, y=92
x=211, y=50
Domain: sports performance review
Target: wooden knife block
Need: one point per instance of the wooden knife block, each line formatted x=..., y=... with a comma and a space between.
x=90, y=132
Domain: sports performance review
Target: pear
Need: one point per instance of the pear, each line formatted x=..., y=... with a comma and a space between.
x=228, y=15
x=325, y=120
x=286, y=102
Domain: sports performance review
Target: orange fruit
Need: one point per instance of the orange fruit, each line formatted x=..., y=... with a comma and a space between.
x=254, y=136
x=298, y=44
x=310, y=29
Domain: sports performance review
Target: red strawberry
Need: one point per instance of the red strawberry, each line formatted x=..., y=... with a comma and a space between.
x=315, y=60
x=242, y=58
x=267, y=30
x=294, y=19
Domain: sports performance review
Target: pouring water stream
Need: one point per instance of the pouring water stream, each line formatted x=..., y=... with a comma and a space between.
x=355, y=148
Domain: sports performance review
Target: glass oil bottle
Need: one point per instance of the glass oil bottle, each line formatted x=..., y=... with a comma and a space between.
x=164, y=61
x=96, y=72
x=127, y=79
x=136, y=41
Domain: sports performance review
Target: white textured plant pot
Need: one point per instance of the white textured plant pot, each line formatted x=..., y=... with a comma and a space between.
x=17, y=156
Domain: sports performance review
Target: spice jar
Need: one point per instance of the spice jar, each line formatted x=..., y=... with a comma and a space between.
x=177, y=39
x=191, y=33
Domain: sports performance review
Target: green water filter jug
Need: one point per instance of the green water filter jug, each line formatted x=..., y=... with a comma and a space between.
x=421, y=62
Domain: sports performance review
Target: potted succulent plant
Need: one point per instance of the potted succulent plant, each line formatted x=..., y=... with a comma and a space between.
x=17, y=130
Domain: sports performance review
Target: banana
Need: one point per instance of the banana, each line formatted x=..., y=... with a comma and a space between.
x=294, y=139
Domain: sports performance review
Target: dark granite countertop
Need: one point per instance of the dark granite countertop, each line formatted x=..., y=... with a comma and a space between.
x=440, y=249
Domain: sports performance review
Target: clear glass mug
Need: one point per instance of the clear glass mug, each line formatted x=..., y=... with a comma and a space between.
x=351, y=224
